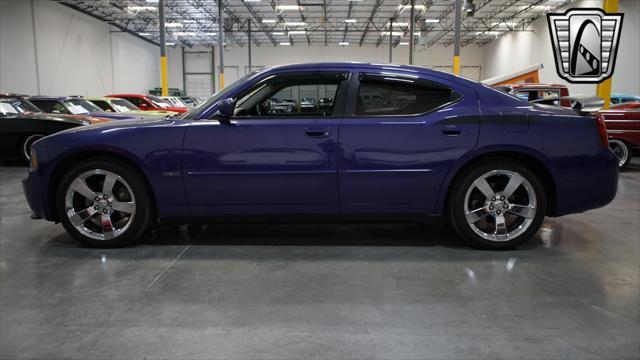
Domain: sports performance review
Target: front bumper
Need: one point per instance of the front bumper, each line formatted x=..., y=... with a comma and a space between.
x=36, y=198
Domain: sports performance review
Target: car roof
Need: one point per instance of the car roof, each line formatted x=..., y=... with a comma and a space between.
x=98, y=98
x=54, y=98
x=127, y=95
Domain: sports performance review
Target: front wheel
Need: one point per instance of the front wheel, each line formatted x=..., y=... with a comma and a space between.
x=622, y=152
x=104, y=203
x=497, y=204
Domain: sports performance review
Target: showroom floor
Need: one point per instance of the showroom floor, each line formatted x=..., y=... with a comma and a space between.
x=322, y=291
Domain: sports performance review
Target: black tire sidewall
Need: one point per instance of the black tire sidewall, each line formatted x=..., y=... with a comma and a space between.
x=629, y=153
x=456, y=205
x=142, y=218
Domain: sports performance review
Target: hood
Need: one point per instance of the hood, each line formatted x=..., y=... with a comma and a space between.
x=114, y=116
x=55, y=117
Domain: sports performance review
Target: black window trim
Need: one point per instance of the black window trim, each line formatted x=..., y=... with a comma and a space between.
x=355, y=88
x=342, y=94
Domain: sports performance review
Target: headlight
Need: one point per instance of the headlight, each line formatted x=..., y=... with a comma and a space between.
x=33, y=163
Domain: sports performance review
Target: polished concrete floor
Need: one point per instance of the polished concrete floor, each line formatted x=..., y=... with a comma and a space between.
x=322, y=291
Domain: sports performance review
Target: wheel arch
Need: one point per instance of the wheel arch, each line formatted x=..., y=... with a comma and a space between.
x=536, y=162
x=65, y=164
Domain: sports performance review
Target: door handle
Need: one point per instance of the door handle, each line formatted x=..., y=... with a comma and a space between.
x=317, y=133
x=451, y=130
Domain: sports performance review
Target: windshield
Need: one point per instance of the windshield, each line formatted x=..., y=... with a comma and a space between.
x=7, y=109
x=123, y=105
x=20, y=105
x=80, y=106
x=190, y=115
x=158, y=102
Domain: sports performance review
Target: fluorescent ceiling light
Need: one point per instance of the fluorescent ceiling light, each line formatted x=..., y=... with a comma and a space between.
x=432, y=20
x=289, y=7
x=170, y=44
x=394, y=33
x=153, y=1
x=268, y=21
x=503, y=24
x=211, y=34
x=285, y=43
x=297, y=32
x=399, y=24
x=404, y=43
x=408, y=7
x=173, y=25
x=188, y=21
x=184, y=34
x=350, y=20
x=141, y=8
x=277, y=33
x=480, y=33
x=144, y=34
x=295, y=23
x=343, y=43
x=251, y=0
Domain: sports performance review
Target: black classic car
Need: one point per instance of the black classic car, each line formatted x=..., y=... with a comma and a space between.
x=22, y=124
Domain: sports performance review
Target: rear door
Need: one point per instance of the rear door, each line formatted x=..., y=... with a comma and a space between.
x=400, y=136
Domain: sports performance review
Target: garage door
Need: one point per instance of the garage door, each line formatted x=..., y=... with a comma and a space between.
x=198, y=76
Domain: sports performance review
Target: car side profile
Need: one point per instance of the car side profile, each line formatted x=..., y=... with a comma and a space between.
x=623, y=127
x=392, y=142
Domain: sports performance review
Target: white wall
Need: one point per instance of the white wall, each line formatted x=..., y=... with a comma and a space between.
x=267, y=54
x=518, y=50
x=76, y=54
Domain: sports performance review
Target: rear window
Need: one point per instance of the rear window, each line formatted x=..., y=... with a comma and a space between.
x=390, y=96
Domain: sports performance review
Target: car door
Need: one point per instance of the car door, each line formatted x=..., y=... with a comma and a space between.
x=268, y=159
x=400, y=136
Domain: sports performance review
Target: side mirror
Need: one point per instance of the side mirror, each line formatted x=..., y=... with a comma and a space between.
x=225, y=108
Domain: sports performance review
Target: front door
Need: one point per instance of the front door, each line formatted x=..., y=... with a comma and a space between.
x=276, y=155
x=398, y=140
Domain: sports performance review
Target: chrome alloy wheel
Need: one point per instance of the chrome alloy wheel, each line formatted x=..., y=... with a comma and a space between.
x=500, y=205
x=620, y=150
x=100, y=204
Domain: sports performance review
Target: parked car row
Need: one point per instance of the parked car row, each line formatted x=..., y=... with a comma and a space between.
x=622, y=119
x=26, y=119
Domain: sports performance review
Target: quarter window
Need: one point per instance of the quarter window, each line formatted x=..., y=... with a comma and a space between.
x=400, y=97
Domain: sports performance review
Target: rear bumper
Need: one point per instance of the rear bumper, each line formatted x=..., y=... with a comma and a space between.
x=588, y=183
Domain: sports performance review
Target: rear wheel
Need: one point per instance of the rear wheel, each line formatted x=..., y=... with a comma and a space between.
x=622, y=151
x=104, y=203
x=26, y=144
x=497, y=204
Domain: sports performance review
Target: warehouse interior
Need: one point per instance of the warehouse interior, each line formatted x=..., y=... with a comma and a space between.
x=283, y=290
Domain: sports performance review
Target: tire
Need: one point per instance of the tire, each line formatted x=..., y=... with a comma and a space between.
x=99, y=217
x=474, y=213
x=622, y=151
x=25, y=146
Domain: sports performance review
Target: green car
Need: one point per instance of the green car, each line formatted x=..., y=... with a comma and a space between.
x=125, y=106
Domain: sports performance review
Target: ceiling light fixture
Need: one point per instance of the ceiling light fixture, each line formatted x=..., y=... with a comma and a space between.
x=138, y=9
x=297, y=32
x=399, y=24
x=277, y=33
x=408, y=7
x=170, y=44
x=394, y=33
x=404, y=43
x=351, y=21
x=343, y=43
x=173, y=25
x=289, y=7
x=432, y=20
x=285, y=43
x=268, y=21
x=144, y=34
x=184, y=34
x=295, y=23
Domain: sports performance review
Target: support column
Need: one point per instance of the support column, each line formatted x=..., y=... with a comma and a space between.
x=411, y=27
x=456, y=40
x=221, y=43
x=603, y=90
x=390, y=41
x=163, y=54
x=249, y=43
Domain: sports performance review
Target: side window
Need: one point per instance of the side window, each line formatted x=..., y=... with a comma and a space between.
x=102, y=105
x=300, y=95
x=51, y=107
x=397, y=97
x=134, y=101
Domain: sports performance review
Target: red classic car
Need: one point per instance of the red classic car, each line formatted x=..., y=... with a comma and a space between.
x=627, y=105
x=533, y=92
x=623, y=127
x=149, y=102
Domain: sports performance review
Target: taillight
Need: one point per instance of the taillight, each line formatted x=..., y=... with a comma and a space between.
x=602, y=131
